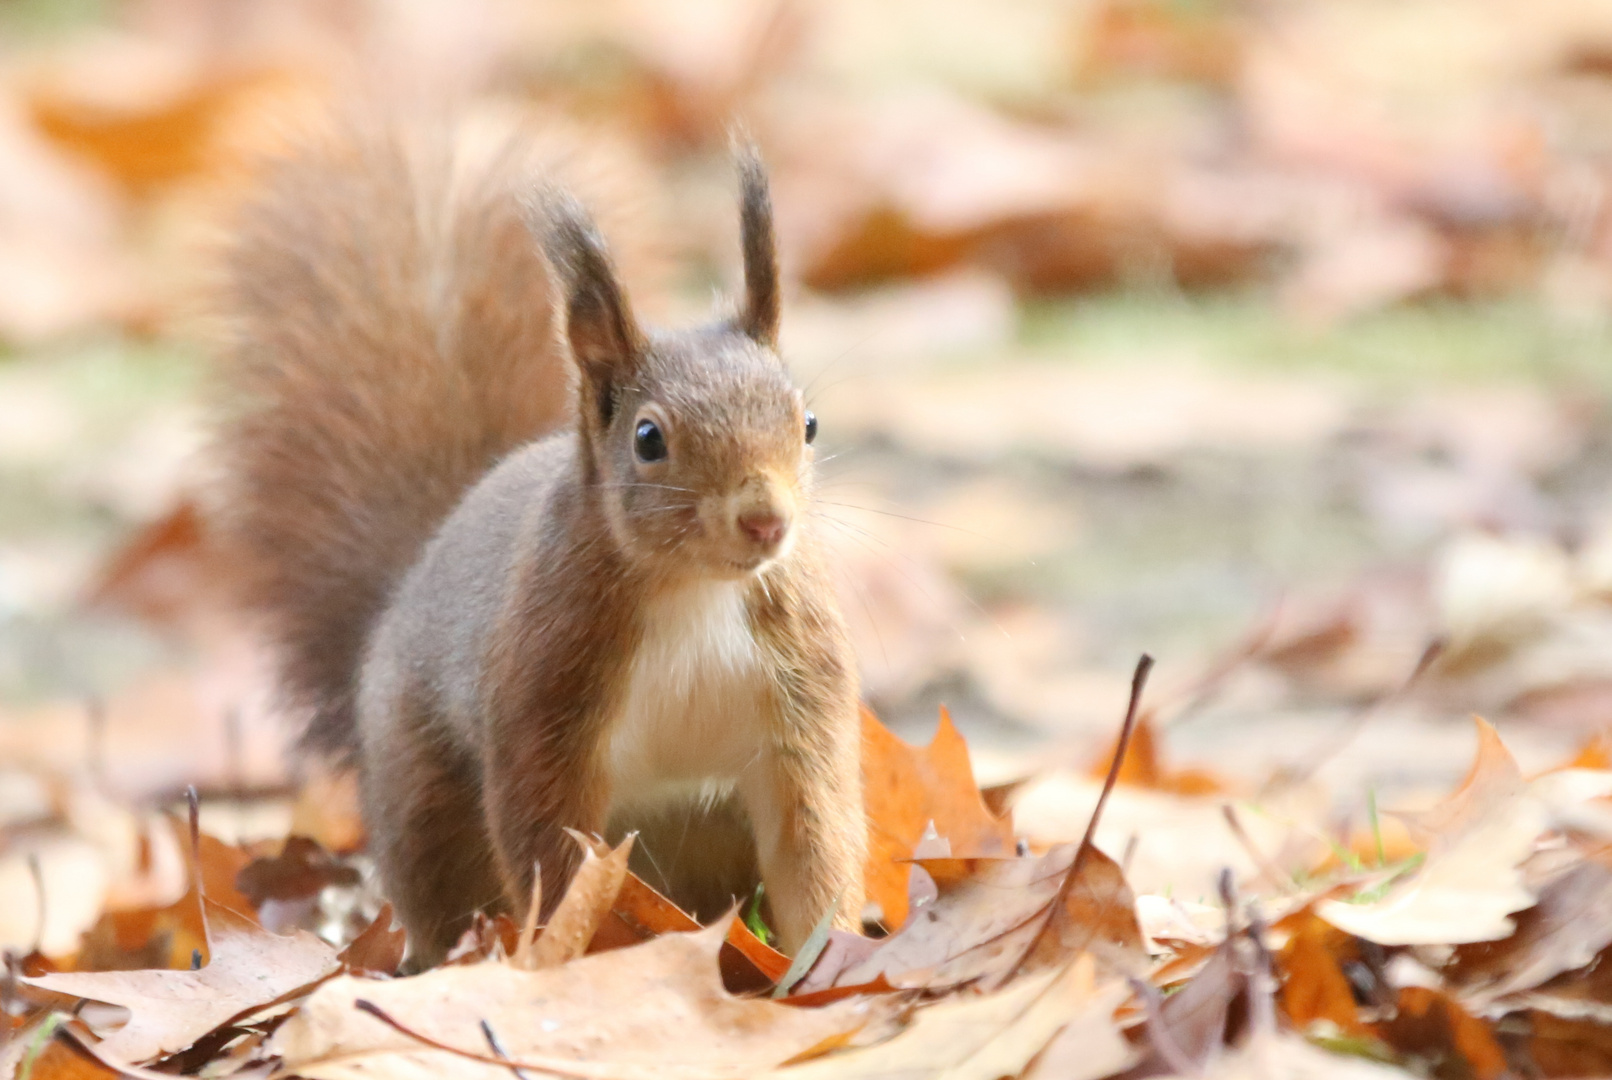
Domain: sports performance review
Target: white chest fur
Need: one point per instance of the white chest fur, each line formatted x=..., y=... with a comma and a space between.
x=691, y=717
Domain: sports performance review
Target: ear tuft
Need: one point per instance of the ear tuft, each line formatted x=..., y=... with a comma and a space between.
x=759, y=319
x=605, y=341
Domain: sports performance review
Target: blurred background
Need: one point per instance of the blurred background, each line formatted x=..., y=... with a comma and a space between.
x=1269, y=337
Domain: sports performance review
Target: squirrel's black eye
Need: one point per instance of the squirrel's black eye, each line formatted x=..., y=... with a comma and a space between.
x=648, y=442
x=811, y=426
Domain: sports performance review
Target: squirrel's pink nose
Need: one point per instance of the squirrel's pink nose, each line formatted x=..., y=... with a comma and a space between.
x=765, y=527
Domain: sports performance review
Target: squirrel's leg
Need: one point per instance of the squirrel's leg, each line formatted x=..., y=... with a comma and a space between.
x=529, y=804
x=427, y=834
x=804, y=797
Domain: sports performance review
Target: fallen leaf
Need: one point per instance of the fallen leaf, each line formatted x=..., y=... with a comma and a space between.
x=905, y=789
x=1286, y=1056
x=168, y=936
x=1561, y=1046
x=1571, y=923
x=990, y=914
x=378, y=949
x=326, y=809
x=656, y=1010
x=147, y=116
x=1090, y=1045
x=35, y=1054
x=972, y=1036
x=1144, y=766
x=588, y=898
x=640, y=913
x=1494, y=593
x=1315, y=987
x=1432, y=1027
x=1192, y=1022
x=301, y=870
x=169, y=1010
x=1470, y=883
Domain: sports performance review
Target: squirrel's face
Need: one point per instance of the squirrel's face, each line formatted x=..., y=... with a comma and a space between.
x=706, y=460
x=699, y=443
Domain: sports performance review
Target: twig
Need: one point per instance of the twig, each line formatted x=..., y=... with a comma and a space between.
x=1262, y=980
x=1270, y=870
x=493, y=1044
x=37, y=872
x=1133, y=842
x=580, y=1070
x=1138, y=684
x=1351, y=728
x=194, y=802
x=1209, y=681
x=1226, y=885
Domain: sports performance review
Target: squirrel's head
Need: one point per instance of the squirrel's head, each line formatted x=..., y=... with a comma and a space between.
x=696, y=441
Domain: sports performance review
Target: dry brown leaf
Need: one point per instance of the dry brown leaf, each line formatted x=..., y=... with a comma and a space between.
x=1144, y=765
x=990, y=914
x=972, y=1036
x=53, y=1058
x=168, y=936
x=640, y=913
x=1193, y=1021
x=1090, y=1045
x=1281, y=1055
x=1315, y=987
x=1471, y=882
x=170, y=1010
x=588, y=898
x=1433, y=1028
x=1564, y=931
x=1562, y=1046
x=167, y=572
x=326, y=809
x=929, y=181
x=147, y=124
x=378, y=949
x=656, y=1010
x=487, y=937
x=301, y=870
x=905, y=789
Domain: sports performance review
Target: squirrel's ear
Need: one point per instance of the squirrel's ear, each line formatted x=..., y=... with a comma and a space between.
x=605, y=341
x=759, y=319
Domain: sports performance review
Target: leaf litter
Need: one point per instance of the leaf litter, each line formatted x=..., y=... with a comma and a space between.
x=1009, y=962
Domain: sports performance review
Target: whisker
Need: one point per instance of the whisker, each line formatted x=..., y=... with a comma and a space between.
x=863, y=540
x=832, y=364
x=908, y=517
x=643, y=484
x=975, y=604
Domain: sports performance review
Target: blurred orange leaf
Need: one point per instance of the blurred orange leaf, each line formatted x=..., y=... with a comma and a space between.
x=905, y=789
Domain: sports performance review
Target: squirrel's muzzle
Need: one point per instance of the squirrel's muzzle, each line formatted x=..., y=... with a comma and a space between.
x=765, y=528
x=762, y=515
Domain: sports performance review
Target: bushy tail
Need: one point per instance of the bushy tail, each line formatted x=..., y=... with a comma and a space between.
x=391, y=337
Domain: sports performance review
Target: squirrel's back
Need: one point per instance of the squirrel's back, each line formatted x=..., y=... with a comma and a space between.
x=392, y=336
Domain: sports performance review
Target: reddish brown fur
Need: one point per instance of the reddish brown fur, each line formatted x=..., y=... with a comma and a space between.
x=493, y=642
x=390, y=341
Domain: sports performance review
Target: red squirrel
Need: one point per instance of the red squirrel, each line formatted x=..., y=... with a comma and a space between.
x=530, y=565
